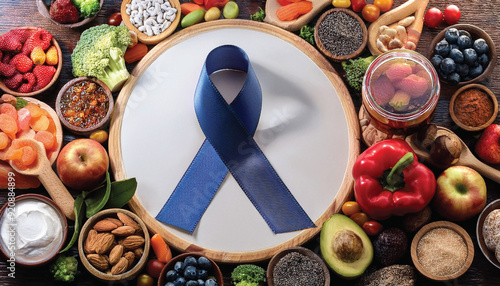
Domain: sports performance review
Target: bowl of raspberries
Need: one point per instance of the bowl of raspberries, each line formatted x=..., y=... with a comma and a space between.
x=31, y=61
x=69, y=13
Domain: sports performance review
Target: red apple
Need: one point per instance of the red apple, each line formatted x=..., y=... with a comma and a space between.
x=488, y=146
x=460, y=193
x=82, y=164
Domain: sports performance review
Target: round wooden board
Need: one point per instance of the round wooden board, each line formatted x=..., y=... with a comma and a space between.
x=255, y=44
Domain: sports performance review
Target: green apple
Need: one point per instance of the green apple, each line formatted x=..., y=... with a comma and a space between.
x=460, y=193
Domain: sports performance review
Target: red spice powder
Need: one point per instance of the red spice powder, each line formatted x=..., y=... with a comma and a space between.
x=473, y=107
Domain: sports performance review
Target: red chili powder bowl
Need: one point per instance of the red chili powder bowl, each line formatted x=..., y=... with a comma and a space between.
x=473, y=107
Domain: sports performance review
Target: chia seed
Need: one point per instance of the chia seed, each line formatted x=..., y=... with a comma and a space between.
x=340, y=33
x=295, y=269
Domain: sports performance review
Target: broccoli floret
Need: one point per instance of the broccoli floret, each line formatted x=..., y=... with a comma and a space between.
x=259, y=15
x=87, y=8
x=355, y=71
x=248, y=275
x=64, y=268
x=99, y=53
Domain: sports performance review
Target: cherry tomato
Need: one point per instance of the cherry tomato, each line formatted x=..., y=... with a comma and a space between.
x=433, y=17
x=357, y=5
x=370, y=13
x=452, y=14
x=360, y=218
x=372, y=227
x=115, y=19
x=154, y=267
x=145, y=280
x=350, y=207
x=383, y=5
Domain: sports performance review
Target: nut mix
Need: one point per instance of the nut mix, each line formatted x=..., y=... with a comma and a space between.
x=114, y=244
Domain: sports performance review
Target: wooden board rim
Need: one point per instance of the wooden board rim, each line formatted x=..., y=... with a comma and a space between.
x=154, y=226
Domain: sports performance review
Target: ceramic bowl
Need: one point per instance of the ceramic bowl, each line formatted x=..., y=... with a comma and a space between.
x=88, y=130
x=442, y=224
x=491, y=96
x=476, y=33
x=490, y=255
x=5, y=213
x=302, y=250
x=54, y=78
x=138, y=263
x=170, y=265
x=327, y=53
x=45, y=11
x=144, y=38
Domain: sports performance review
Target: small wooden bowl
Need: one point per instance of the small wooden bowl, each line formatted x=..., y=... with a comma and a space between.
x=139, y=265
x=64, y=226
x=442, y=224
x=328, y=54
x=302, y=250
x=170, y=265
x=79, y=130
x=151, y=40
x=54, y=78
x=476, y=33
x=45, y=11
x=482, y=88
x=490, y=255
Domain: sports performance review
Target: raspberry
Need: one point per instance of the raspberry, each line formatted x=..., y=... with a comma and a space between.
x=63, y=11
x=27, y=83
x=10, y=42
x=39, y=38
x=22, y=34
x=43, y=76
x=22, y=63
x=7, y=70
x=6, y=59
x=14, y=81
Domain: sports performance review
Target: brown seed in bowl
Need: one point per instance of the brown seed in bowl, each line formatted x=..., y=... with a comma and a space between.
x=130, y=256
x=115, y=254
x=98, y=261
x=138, y=252
x=132, y=242
x=128, y=221
x=117, y=222
x=120, y=267
x=124, y=230
x=104, y=225
x=104, y=242
x=89, y=246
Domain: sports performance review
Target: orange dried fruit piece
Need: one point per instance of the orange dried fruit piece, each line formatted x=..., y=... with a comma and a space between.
x=35, y=110
x=29, y=155
x=9, y=109
x=40, y=123
x=9, y=98
x=4, y=140
x=22, y=153
x=8, y=125
x=14, y=154
x=46, y=138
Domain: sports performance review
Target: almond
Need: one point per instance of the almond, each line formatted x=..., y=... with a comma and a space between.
x=138, y=252
x=124, y=230
x=130, y=257
x=115, y=254
x=104, y=242
x=133, y=241
x=120, y=267
x=117, y=222
x=128, y=221
x=89, y=245
x=98, y=261
x=104, y=225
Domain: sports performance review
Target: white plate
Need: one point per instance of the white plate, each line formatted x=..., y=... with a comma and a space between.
x=308, y=130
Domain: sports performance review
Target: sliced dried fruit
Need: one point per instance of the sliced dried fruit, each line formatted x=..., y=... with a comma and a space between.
x=46, y=138
x=294, y=10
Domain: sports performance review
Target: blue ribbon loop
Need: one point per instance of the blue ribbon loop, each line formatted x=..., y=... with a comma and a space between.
x=229, y=145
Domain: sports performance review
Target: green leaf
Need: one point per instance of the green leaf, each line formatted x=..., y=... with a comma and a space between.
x=121, y=192
x=259, y=15
x=98, y=198
x=79, y=208
x=20, y=103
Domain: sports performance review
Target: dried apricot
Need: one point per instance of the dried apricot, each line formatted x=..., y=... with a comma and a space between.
x=46, y=138
x=8, y=125
x=40, y=123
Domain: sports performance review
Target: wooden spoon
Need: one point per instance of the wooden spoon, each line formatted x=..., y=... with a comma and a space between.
x=51, y=182
x=294, y=25
x=406, y=9
x=466, y=157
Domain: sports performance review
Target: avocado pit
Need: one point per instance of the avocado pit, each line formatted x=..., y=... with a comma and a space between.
x=347, y=246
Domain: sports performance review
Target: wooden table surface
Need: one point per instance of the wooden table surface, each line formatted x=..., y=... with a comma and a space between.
x=17, y=13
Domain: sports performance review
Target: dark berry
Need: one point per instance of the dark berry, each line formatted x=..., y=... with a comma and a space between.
x=441, y=74
x=457, y=56
x=464, y=42
x=436, y=61
x=448, y=66
x=451, y=35
x=470, y=56
x=475, y=71
x=202, y=274
x=204, y=263
x=170, y=284
x=442, y=48
x=454, y=46
x=453, y=78
x=172, y=275
x=179, y=266
x=211, y=282
x=190, y=272
x=480, y=46
x=190, y=261
x=464, y=32
x=483, y=60
x=180, y=281
x=462, y=70
x=192, y=283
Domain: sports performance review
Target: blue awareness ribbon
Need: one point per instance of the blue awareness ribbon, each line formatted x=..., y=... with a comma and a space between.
x=229, y=145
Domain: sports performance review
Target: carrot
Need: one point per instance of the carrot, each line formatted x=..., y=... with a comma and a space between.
x=46, y=138
x=161, y=249
x=8, y=125
x=187, y=8
x=286, y=2
x=4, y=140
x=293, y=11
x=135, y=53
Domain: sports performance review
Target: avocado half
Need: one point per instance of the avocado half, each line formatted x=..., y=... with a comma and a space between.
x=345, y=246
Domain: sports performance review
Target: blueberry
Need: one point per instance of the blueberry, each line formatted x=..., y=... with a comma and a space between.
x=202, y=274
x=480, y=46
x=453, y=78
x=201, y=282
x=454, y=46
x=192, y=283
x=179, y=266
x=457, y=56
x=204, y=263
x=462, y=70
x=442, y=48
x=464, y=32
x=470, y=56
x=483, y=60
x=451, y=35
x=180, y=281
x=475, y=71
x=190, y=261
x=436, y=60
x=464, y=42
x=170, y=284
x=448, y=66
x=211, y=282
x=172, y=275
x=190, y=272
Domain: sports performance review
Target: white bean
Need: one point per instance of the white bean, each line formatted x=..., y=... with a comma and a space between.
x=149, y=30
x=151, y=16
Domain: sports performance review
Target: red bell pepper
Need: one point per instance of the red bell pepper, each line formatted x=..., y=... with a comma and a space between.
x=389, y=180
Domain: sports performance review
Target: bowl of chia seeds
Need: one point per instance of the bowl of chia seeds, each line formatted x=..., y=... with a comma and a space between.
x=340, y=34
x=297, y=266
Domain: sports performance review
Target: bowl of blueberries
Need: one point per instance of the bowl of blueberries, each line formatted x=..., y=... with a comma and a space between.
x=191, y=269
x=462, y=54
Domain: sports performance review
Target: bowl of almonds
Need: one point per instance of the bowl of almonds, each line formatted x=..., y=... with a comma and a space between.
x=113, y=245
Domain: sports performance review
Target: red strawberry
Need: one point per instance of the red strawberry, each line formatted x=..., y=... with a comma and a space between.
x=39, y=38
x=27, y=83
x=43, y=76
x=7, y=70
x=22, y=62
x=10, y=42
x=63, y=11
x=22, y=34
x=14, y=81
